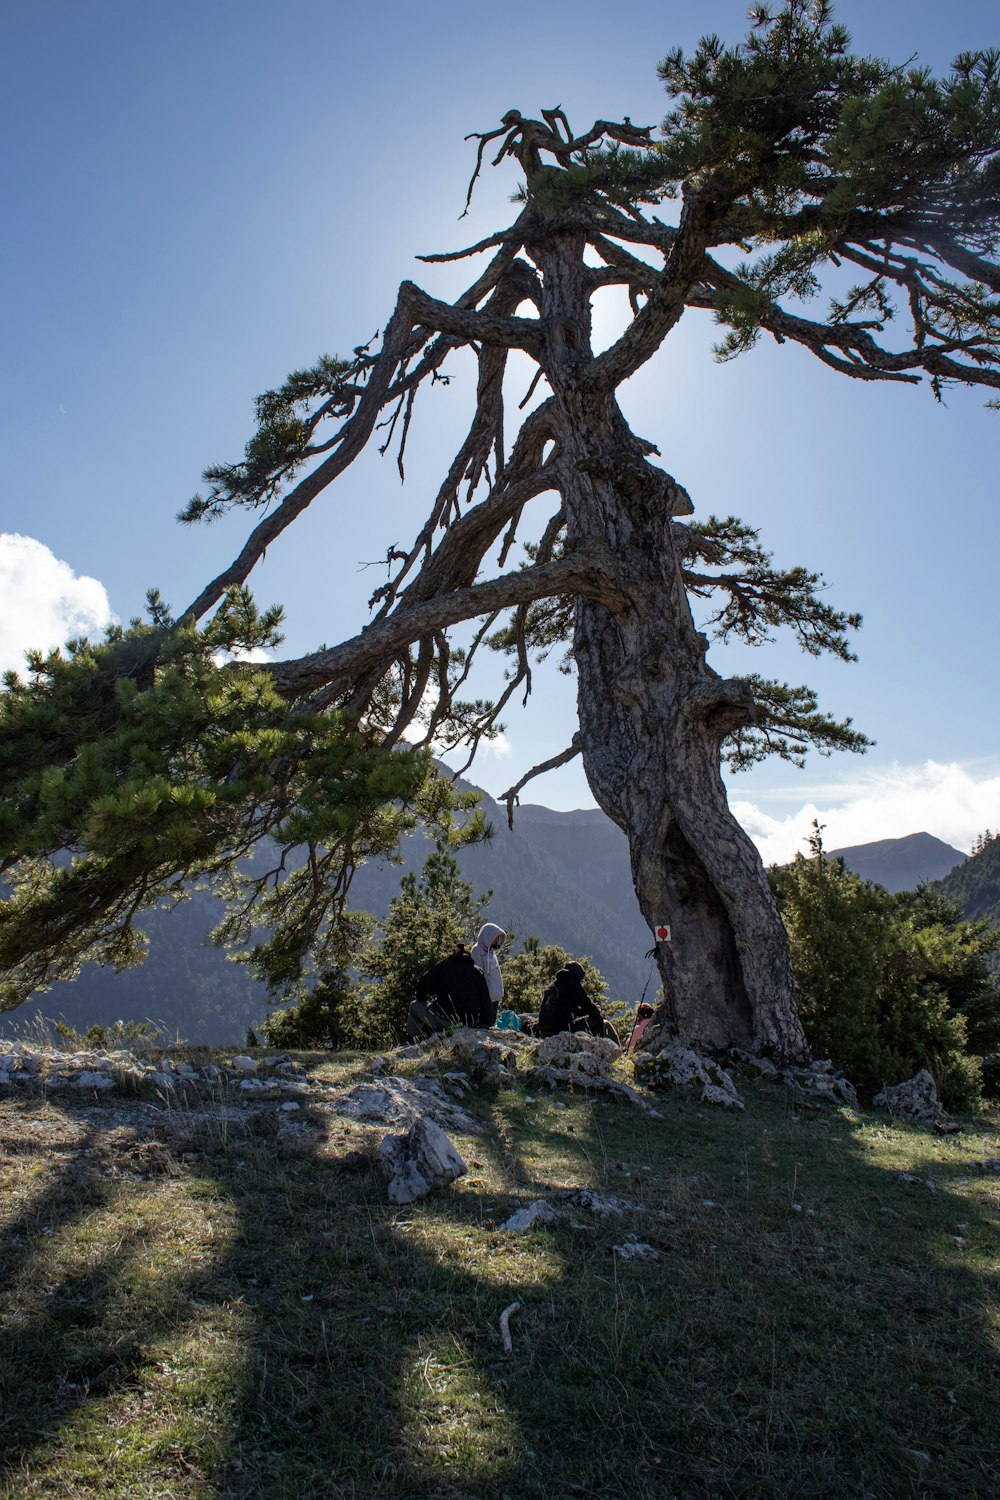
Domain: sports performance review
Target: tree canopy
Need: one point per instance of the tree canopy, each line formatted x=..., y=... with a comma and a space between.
x=789, y=166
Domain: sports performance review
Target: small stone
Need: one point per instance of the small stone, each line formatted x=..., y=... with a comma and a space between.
x=635, y=1250
x=287, y=1108
x=526, y=1218
x=725, y=1098
x=87, y=1080
x=601, y=1204
x=252, y=1085
x=244, y=1064
x=911, y=1180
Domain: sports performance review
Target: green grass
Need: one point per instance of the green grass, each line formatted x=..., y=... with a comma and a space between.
x=189, y=1310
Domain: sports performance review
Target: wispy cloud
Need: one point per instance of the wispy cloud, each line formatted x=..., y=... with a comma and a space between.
x=43, y=603
x=952, y=801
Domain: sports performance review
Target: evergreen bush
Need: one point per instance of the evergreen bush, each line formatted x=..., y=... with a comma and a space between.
x=888, y=984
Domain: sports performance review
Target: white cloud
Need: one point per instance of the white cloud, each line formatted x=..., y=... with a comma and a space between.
x=43, y=603
x=951, y=801
x=499, y=745
x=253, y=654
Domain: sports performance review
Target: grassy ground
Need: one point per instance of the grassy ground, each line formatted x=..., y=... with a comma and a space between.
x=190, y=1310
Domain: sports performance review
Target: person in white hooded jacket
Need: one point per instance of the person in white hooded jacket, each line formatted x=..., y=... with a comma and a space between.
x=484, y=956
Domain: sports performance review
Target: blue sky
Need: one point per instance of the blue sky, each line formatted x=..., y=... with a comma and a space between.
x=201, y=196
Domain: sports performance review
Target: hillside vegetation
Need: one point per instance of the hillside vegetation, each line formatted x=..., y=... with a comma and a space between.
x=198, y=1306
x=976, y=883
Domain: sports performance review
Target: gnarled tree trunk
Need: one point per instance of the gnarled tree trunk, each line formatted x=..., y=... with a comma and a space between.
x=653, y=714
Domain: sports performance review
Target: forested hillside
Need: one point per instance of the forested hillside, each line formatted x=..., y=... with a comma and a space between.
x=976, y=883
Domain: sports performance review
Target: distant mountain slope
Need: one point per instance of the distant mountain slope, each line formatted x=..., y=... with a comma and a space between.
x=976, y=883
x=562, y=877
x=901, y=864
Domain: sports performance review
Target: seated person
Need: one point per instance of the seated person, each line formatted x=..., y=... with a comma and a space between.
x=643, y=1016
x=452, y=993
x=566, y=1006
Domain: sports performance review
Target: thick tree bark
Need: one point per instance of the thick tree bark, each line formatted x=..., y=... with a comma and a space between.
x=653, y=714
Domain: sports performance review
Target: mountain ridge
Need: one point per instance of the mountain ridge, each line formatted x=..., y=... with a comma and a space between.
x=901, y=864
x=563, y=877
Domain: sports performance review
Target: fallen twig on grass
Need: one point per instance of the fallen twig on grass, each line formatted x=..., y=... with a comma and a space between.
x=505, y=1317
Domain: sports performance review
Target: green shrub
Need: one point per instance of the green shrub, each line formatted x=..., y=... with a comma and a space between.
x=330, y=1015
x=888, y=984
x=119, y=1036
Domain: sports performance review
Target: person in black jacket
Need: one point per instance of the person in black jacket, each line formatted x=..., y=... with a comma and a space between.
x=566, y=1006
x=453, y=992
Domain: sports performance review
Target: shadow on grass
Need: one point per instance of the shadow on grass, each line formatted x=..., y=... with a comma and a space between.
x=264, y=1324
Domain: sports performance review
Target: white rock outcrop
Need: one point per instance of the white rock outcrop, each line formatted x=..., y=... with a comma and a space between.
x=916, y=1099
x=678, y=1066
x=419, y=1161
x=401, y=1101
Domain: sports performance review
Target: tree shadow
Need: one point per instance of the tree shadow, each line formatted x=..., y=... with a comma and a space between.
x=823, y=1349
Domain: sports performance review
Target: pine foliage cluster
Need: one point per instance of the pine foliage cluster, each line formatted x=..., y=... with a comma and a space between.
x=133, y=767
x=889, y=983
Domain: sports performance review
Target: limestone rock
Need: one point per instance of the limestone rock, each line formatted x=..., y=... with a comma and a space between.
x=419, y=1161
x=244, y=1064
x=526, y=1218
x=846, y=1091
x=726, y=1098
x=401, y=1101
x=819, y=1081
x=763, y=1067
x=89, y=1080
x=635, y=1250
x=487, y=1062
x=916, y=1099
x=583, y=1061
x=601, y=1204
x=912, y=1180
x=679, y=1065
x=569, y=1044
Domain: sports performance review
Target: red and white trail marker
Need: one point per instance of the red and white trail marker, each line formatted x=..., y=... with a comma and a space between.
x=661, y=932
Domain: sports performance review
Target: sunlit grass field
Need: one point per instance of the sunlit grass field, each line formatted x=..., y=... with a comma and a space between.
x=192, y=1309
